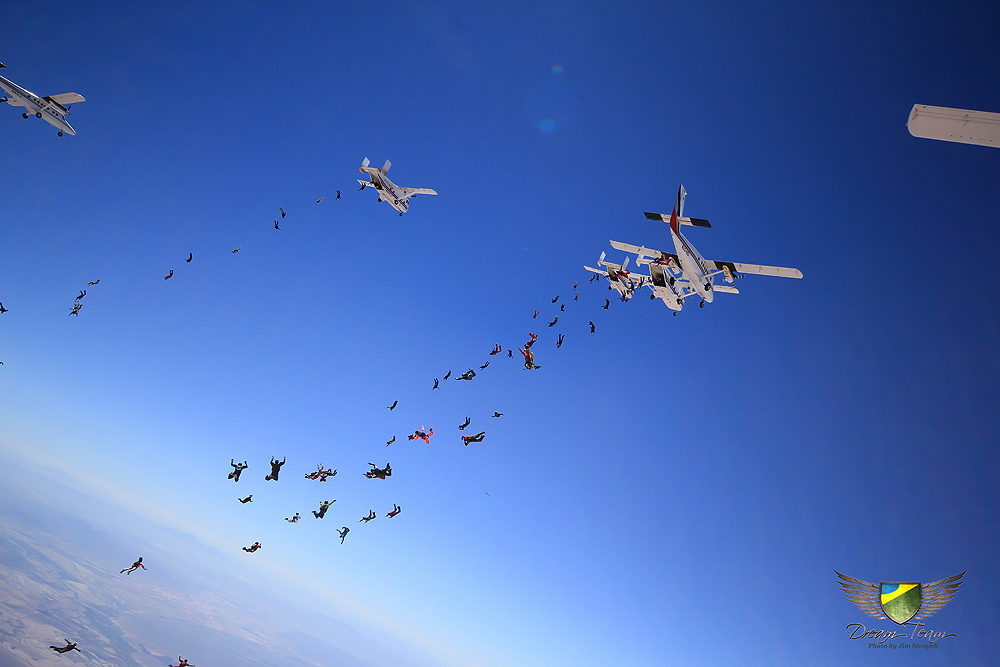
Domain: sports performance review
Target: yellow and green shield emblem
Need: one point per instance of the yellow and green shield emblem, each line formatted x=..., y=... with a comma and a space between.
x=900, y=601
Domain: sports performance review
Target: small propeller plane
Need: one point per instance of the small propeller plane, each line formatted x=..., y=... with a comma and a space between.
x=676, y=276
x=398, y=198
x=53, y=109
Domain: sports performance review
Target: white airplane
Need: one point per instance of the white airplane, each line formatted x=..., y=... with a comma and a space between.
x=666, y=285
x=398, y=198
x=675, y=277
x=53, y=109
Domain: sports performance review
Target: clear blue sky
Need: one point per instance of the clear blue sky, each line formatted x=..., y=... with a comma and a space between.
x=669, y=490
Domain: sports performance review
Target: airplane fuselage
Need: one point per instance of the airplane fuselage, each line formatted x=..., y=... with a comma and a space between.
x=389, y=191
x=53, y=112
x=692, y=263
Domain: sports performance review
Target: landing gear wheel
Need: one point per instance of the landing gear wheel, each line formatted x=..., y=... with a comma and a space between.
x=60, y=133
x=380, y=199
x=38, y=115
x=652, y=297
x=701, y=305
x=24, y=115
x=675, y=313
x=401, y=215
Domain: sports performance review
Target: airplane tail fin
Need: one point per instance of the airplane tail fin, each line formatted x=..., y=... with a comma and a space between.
x=364, y=164
x=681, y=195
x=385, y=167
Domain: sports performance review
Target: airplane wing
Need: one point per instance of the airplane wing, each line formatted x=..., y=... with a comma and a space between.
x=757, y=269
x=681, y=220
x=409, y=192
x=643, y=251
x=65, y=99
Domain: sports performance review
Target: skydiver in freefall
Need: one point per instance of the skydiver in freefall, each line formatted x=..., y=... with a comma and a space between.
x=393, y=406
x=510, y=354
x=253, y=547
x=135, y=566
x=248, y=499
x=338, y=194
x=607, y=302
x=238, y=469
x=576, y=296
x=323, y=507
x=282, y=212
x=237, y=249
x=70, y=646
x=343, y=533
x=529, y=359
x=83, y=293
x=473, y=438
x=530, y=342
x=275, y=469
x=181, y=662
x=276, y=225
x=190, y=257
x=380, y=473
x=483, y=367
x=496, y=350
x=169, y=275
x=93, y=282
x=461, y=427
x=295, y=518
x=320, y=199
x=574, y=287
x=447, y=375
x=435, y=384
x=396, y=509
x=555, y=299
x=76, y=309
x=389, y=442
x=366, y=519
x=4, y=310
x=560, y=341
x=562, y=308
x=593, y=329
x=594, y=277
x=419, y=434
x=497, y=414
x=535, y=315
x=553, y=322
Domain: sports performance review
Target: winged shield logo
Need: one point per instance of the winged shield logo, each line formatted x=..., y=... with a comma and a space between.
x=900, y=601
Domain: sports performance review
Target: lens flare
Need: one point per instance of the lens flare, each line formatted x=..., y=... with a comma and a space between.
x=552, y=105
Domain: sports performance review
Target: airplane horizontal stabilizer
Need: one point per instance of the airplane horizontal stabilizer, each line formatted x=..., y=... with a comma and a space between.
x=696, y=222
x=725, y=288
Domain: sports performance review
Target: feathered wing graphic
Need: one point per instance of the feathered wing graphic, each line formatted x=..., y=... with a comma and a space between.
x=934, y=596
x=937, y=594
x=864, y=594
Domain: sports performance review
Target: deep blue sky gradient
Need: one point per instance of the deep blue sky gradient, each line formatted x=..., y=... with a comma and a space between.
x=670, y=490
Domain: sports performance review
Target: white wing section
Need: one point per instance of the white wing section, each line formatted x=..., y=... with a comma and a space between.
x=637, y=249
x=409, y=192
x=958, y=125
x=756, y=269
x=65, y=99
